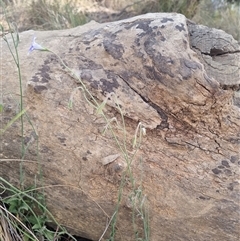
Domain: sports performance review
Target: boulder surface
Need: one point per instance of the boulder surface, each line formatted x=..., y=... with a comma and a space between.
x=178, y=79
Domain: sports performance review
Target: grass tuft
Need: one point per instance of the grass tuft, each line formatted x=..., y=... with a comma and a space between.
x=186, y=7
x=50, y=15
x=221, y=15
x=24, y=215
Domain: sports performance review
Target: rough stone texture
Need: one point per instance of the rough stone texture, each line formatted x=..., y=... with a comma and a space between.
x=217, y=53
x=155, y=67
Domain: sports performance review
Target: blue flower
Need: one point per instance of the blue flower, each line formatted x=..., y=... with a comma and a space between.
x=36, y=46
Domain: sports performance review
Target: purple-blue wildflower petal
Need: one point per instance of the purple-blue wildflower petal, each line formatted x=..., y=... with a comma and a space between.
x=36, y=46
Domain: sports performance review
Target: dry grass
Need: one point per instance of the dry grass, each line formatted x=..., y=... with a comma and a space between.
x=8, y=231
x=4, y=228
x=225, y=17
x=51, y=14
x=55, y=14
x=186, y=7
x=45, y=14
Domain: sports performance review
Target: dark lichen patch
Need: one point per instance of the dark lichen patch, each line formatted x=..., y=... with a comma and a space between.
x=45, y=78
x=110, y=84
x=236, y=100
x=128, y=26
x=110, y=35
x=39, y=88
x=27, y=139
x=184, y=71
x=192, y=64
x=49, y=60
x=84, y=42
x=163, y=63
x=228, y=172
x=225, y=163
x=234, y=140
x=45, y=149
x=153, y=34
x=35, y=78
x=137, y=41
x=165, y=20
x=151, y=73
x=221, y=167
x=115, y=50
x=84, y=158
x=204, y=198
x=62, y=139
x=145, y=26
x=160, y=61
x=43, y=75
x=216, y=171
x=86, y=75
x=90, y=65
x=139, y=24
x=162, y=38
x=94, y=84
x=180, y=27
x=234, y=159
x=186, y=67
x=232, y=185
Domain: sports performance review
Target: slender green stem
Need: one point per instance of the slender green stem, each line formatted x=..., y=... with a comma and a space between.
x=17, y=62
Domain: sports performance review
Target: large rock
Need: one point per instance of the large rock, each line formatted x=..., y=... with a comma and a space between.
x=178, y=79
